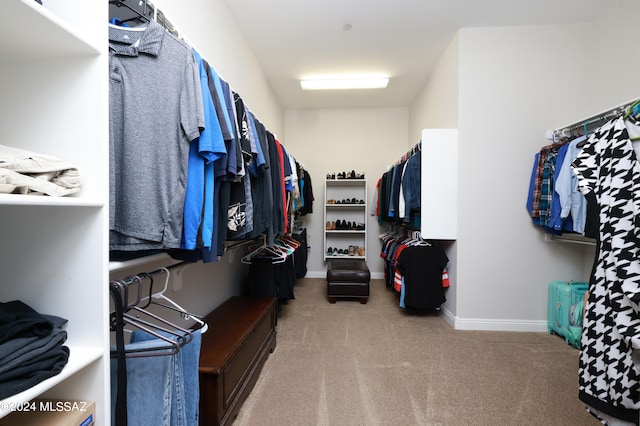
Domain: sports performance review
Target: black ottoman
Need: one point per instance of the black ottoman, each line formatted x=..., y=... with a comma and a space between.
x=347, y=278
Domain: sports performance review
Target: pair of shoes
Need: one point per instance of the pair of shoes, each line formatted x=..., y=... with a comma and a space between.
x=343, y=225
x=331, y=176
x=359, y=226
x=330, y=226
x=333, y=251
x=355, y=251
x=331, y=201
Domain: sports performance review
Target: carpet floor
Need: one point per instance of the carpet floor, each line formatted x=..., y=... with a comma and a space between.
x=380, y=365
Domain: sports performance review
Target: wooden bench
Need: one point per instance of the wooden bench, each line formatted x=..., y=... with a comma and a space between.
x=241, y=336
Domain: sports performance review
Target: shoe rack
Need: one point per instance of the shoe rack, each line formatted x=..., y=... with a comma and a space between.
x=345, y=216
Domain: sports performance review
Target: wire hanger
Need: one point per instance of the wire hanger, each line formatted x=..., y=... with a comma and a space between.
x=276, y=253
x=633, y=110
x=202, y=325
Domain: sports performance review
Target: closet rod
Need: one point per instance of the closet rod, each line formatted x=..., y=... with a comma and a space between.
x=131, y=280
x=417, y=147
x=590, y=123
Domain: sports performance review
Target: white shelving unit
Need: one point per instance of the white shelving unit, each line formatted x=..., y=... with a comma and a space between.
x=439, y=184
x=354, y=212
x=54, y=251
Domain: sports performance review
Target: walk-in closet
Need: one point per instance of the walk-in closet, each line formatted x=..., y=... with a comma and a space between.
x=174, y=199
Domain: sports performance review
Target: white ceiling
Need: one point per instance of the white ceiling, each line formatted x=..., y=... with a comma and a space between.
x=401, y=38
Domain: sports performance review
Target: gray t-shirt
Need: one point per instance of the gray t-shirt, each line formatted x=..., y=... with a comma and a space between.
x=156, y=110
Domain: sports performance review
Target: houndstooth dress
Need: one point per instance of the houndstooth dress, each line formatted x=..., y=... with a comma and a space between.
x=608, y=378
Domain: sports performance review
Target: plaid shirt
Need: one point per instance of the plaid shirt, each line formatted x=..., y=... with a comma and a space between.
x=537, y=187
x=546, y=187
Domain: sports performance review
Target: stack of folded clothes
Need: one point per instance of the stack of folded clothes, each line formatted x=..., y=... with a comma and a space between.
x=31, y=347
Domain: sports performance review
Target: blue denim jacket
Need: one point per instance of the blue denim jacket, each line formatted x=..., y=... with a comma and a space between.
x=411, y=184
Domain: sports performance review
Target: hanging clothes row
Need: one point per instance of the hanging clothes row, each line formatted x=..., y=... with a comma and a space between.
x=554, y=202
x=606, y=172
x=397, y=198
x=415, y=269
x=190, y=165
x=159, y=363
x=272, y=269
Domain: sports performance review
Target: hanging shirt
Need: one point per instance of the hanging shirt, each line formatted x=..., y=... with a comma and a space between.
x=199, y=199
x=421, y=266
x=572, y=202
x=148, y=145
x=609, y=381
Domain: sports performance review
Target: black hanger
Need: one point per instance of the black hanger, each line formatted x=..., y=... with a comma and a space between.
x=139, y=16
x=122, y=317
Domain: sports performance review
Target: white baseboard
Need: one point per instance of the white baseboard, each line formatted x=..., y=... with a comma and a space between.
x=488, y=324
x=483, y=324
x=316, y=274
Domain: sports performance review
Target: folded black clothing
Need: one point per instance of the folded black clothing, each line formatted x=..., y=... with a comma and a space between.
x=31, y=374
x=22, y=350
x=18, y=319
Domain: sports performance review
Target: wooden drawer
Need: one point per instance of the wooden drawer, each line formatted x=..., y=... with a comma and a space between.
x=238, y=368
x=241, y=336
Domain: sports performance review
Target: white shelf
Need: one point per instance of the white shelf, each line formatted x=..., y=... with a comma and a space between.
x=79, y=358
x=344, y=231
x=44, y=200
x=345, y=189
x=439, y=184
x=344, y=256
x=344, y=181
x=54, y=250
x=31, y=30
x=145, y=261
x=569, y=238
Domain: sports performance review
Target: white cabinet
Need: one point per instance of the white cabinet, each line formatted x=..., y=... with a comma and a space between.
x=439, y=184
x=54, y=250
x=345, y=215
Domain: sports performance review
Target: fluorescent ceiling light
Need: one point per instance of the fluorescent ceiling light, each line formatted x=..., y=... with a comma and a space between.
x=334, y=83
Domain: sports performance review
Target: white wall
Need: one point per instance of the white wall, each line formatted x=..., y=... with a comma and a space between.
x=509, y=86
x=615, y=57
x=514, y=83
x=436, y=107
x=333, y=140
x=211, y=29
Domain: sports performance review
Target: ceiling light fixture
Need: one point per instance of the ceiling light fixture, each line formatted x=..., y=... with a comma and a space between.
x=345, y=82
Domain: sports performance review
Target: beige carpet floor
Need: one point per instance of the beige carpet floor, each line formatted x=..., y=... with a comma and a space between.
x=377, y=364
